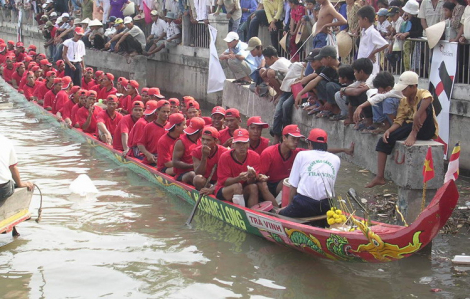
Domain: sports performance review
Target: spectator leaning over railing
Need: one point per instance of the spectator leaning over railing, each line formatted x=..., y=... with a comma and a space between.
x=269, y=16
x=464, y=31
x=456, y=17
x=415, y=30
x=234, y=13
x=276, y=70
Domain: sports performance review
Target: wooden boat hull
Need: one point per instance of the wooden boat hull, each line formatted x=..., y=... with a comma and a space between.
x=15, y=209
x=381, y=243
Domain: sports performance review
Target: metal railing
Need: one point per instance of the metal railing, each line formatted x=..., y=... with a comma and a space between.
x=199, y=35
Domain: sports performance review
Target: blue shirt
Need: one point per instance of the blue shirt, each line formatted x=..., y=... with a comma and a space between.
x=254, y=62
x=251, y=5
x=344, y=12
x=240, y=49
x=286, y=12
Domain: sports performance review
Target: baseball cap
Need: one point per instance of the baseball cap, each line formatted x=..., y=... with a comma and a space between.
x=312, y=55
x=139, y=104
x=2, y=47
x=253, y=43
x=111, y=19
x=210, y=131
x=112, y=99
x=53, y=14
x=241, y=135
x=145, y=89
x=231, y=36
x=406, y=79
x=134, y=84
x=218, y=110
x=79, y=31
x=45, y=62
x=173, y=120
x=155, y=91
x=110, y=76
x=123, y=81
x=59, y=62
x=10, y=42
x=318, y=135
x=192, y=104
x=150, y=107
x=327, y=51
x=195, y=124
x=98, y=74
x=188, y=98
x=32, y=47
x=118, y=21
x=232, y=112
x=74, y=89
x=127, y=20
x=382, y=12
x=91, y=93
x=256, y=120
x=57, y=80
x=51, y=73
x=27, y=58
x=66, y=81
x=174, y=101
x=42, y=55
x=65, y=15
x=19, y=45
x=89, y=70
x=292, y=130
x=393, y=10
x=154, y=13
x=35, y=68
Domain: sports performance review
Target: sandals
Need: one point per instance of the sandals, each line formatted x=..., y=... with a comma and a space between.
x=360, y=127
x=243, y=82
x=324, y=114
x=338, y=117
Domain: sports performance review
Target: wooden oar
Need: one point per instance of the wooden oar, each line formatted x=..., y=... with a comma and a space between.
x=193, y=212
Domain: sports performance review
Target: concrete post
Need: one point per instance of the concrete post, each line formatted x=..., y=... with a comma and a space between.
x=220, y=23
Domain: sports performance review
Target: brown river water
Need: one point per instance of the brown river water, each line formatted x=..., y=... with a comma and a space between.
x=130, y=240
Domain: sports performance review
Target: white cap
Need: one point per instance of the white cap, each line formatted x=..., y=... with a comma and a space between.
x=44, y=5
x=53, y=14
x=95, y=22
x=85, y=21
x=65, y=15
x=154, y=13
x=49, y=1
x=406, y=79
x=127, y=20
x=231, y=36
x=59, y=19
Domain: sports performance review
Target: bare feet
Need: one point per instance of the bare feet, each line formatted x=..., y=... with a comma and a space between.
x=411, y=139
x=377, y=181
x=350, y=150
x=348, y=122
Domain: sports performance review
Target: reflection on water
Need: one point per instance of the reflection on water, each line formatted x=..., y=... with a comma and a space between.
x=131, y=242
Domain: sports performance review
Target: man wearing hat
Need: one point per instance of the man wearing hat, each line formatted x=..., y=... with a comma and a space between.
x=232, y=122
x=132, y=39
x=108, y=120
x=121, y=134
x=234, y=58
x=8, y=69
x=158, y=32
x=415, y=120
x=19, y=52
x=175, y=128
x=218, y=118
x=312, y=178
x=172, y=35
x=114, y=38
x=255, y=126
x=137, y=131
x=108, y=86
x=3, y=53
x=255, y=58
x=44, y=87
x=72, y=54
x=86, y=117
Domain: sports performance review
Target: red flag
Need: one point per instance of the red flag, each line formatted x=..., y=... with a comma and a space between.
x=428, y=167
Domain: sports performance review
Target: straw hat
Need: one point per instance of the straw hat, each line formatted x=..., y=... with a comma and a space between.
x=130, y=9
x=434, y=33
x=95, y=22
x=345, y=43
x=283, y=42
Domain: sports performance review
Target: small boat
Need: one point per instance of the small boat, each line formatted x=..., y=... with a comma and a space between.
x=14, y=210
x=377, y=243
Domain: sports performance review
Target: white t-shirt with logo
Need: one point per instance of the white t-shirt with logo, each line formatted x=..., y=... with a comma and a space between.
x=313, y=171
x=7, y=159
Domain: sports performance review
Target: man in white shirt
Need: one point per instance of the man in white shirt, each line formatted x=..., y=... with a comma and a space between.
x=312, y=178
x=172, y=34
x=234, y=58
x=132, y=40
x=72, y=54
x=276, y=70
x=9, y=173
x=159, y=27
x=430, y=13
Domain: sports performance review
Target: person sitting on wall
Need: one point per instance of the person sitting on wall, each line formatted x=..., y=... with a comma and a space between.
x=234, y=58
x=158, y=32
x=275, y=71
x=111, y=44
x=172, y=34
x=132, y=39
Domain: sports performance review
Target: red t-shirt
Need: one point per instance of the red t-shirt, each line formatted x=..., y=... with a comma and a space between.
x=211, y=159
x=41, y=90
x=89, y=85
x=66, y=110
x=17, y=78
x=224, y=135
x=109, y=122
x=22, y=81
x=96, y=88
x=165, y=150
x=49, y=99
x=61, y=74
x=20, y=56
x=73, y=113
x=124, y=126
x=130, y=101
x=189, y=145
x=28, y=91
x=3, y=57
x=262, y=145
x=104, y=93
x=53, y=31
x=8, y=74
x=274, y=164
x=151, y=134
x=82, y=115
x=59, y=101
x=137, y=131
x=228, y=167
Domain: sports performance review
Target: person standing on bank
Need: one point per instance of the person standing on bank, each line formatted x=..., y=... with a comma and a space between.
x=9, y=173
x=72, y=54
x=312, y=178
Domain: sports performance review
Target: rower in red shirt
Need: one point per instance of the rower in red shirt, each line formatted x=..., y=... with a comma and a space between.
x=144, y=93
x=60, y=68
x=132, y=95
x=232, y=121
x=205, y=156
x=3, y=53
x=255, y=127
x=82, y=98
x=97, y=81
x=174, y=105
x=28, y=88
x=155, y=94
x=108, y=86
x=87, y=80
x=65, y=113
x=121, y=93
x=19, y=52
x=218, y=118
x=62, y=96
x=50, y=96
x=192, y=110
x=44, y=87
x=86, y=116
x=153, y=131
x=137, y=131
x=121, y=135
x=17, y=74
x=182, y=160
x=46, y=66
x=107, y=120
x=175, y=127
x=8, y=69
x=236, y=182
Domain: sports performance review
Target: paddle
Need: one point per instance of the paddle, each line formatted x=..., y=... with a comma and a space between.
x=193, y=212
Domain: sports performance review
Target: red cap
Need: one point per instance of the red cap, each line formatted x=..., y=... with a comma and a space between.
x=241, y=135
x=155, y=91
x=91, y=93
x=173, y=120
x=66, y=81
x=18, y=64
x=51, y=73
x=318, y=135
x=134, y=84
x=110, y=76
x=89, y=70
x=28, y=58
x=139, y=104
x=83, y=92
x=10, y=57
x=150, y=107
x=19, y=45
x=145, y=89
x=174, y=101
x=32, y=47
x=162, y=103
x=74, y=89
x=292, y=130
x=98, y=74
x=192, y=104
x=256, y=120
x=195, y=124
x=59, y=62
x=123, y=81
x=188, y=98
x=79, y=31
x=57, y=80
x=2, y=47
x=45, y=62
x=112, y=99
x=32, y=53
x=218, y=110
x=42, y=55
x=11, y=42
x=210, y=131
x=35, y=68
x=232, y=112
x=2, y=40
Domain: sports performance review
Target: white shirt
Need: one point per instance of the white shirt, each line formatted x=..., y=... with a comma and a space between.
x=397, y=43
x=7, y=159
x=281, y=65
x=383, y=27
x=295, y=72
x=371, y=40
x=430, y=14
x=138, y=34
x=172, y=30
x=75, y=51
x=313, y=171
x=158, y=27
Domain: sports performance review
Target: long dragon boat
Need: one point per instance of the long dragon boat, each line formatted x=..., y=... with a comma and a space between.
x=374, y=243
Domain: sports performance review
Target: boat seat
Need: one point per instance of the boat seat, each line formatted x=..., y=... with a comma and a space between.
x=300, y=220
